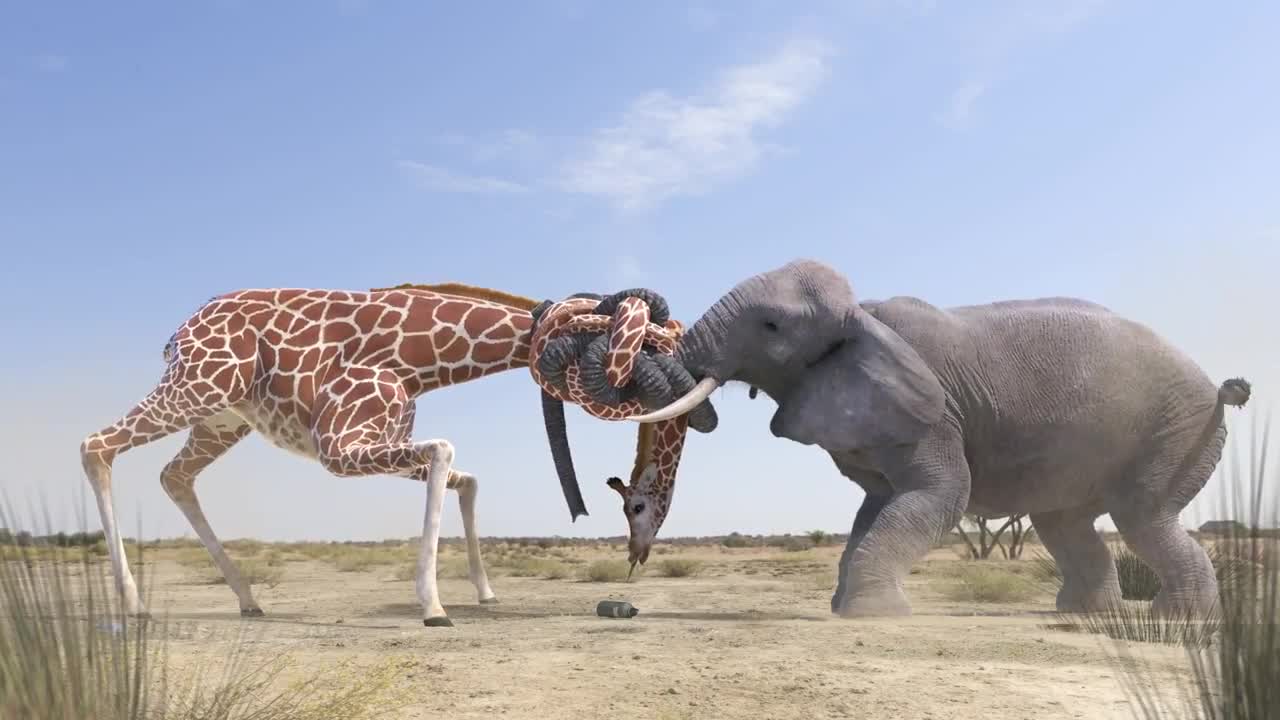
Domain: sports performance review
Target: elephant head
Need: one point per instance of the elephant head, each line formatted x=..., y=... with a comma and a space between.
x=842, y=379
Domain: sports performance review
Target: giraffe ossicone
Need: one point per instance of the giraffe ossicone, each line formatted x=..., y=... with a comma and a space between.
x=333, y=376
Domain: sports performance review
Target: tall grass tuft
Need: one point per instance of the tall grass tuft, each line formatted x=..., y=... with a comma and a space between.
x=1238, y=676
x=68, y=651
x=1137, y=580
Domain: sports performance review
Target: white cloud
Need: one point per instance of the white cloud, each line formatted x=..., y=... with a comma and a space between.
x=960, y=109
x=51, y=62
x=441, y=180
x=666, y=146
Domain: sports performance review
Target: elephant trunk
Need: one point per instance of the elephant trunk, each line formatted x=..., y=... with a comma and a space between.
x=558, y=437
x=703, y=352
x=702, y=349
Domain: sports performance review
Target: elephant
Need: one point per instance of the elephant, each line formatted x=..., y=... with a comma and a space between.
x=1056, y=407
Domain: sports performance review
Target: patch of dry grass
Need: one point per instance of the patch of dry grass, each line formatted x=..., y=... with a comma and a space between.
x=255, y=571
x=359, y=559
x=606, y=571
x=986, y=582
x=452, y=567
x=679, y=567
x=529, y=566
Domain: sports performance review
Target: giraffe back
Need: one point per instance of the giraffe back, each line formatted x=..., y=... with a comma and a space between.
x=304, y=340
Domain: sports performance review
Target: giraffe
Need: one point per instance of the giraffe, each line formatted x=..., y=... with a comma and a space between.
x=330, y=375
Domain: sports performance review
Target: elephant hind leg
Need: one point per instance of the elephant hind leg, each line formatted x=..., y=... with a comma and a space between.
x=1089, y=580
x=1188, y=585
x=1147, y=518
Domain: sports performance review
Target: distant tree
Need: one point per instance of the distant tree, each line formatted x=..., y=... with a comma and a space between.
x=989, y=540
x=819, y=537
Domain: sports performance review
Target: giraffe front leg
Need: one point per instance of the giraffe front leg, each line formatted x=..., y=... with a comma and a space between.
x=428, y=461
x=467, y=487
x=372, y=441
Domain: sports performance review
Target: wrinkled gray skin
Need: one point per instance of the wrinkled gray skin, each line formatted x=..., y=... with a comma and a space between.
x=1053, y=407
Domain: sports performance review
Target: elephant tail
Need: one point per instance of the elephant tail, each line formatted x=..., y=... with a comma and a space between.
x=1234, y=392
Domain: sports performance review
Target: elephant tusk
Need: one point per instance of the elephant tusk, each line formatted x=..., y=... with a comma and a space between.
x=691, y=400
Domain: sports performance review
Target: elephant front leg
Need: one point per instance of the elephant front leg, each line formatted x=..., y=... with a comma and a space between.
x=871, y=507
x=892, y=532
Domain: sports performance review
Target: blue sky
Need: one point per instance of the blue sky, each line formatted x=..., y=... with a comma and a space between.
x=153, y=155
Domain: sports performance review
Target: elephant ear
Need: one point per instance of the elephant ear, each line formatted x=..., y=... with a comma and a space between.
x=870, y=389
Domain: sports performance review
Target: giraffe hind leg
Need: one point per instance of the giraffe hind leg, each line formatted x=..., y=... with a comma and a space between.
x=180, y=400
x=208, y=441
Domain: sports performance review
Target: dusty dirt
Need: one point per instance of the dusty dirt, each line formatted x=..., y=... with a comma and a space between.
x=748, y=637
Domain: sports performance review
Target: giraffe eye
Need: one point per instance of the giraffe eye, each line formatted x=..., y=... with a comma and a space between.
x=638, y=508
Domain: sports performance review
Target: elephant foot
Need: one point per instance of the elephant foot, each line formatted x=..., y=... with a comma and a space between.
x=877, y=602
x=1071, y=601
x=251, y=611
x=1187, y=606
x=438, y=621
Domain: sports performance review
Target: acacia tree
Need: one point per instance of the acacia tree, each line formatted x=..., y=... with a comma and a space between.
x=989, y=540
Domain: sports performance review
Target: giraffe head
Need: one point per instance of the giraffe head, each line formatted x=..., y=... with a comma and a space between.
x=645, y=508
x=646, y=501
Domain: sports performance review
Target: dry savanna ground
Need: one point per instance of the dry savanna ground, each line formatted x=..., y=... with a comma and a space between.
x=727, y=632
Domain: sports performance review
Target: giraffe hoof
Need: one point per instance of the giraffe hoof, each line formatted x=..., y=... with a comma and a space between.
x=489, y=601
x=442, y=621
x=251, y=612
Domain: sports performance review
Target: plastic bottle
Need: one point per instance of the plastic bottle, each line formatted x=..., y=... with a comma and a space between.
x=616, y=609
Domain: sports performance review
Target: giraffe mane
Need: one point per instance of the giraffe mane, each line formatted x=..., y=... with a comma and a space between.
x=644, y=450
x=469, y=291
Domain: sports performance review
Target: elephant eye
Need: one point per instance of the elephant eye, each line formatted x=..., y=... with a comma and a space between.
x=639, y=508
x=771, y=326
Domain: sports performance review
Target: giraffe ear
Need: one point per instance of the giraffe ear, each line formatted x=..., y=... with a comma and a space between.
x=616, y=484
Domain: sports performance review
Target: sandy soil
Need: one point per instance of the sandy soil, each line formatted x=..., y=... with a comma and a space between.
x=749, y=637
